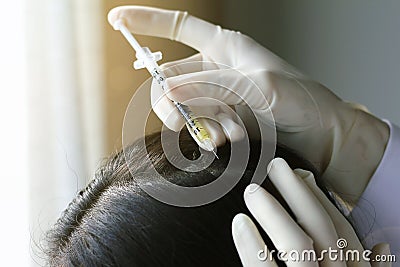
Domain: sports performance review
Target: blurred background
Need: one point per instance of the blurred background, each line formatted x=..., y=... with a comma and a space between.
x=67, y=79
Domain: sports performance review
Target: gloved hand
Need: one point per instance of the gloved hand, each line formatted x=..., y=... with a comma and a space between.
x=342, y=140
x=318, y=226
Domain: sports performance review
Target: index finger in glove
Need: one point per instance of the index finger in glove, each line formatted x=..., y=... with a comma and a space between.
x=342, y=226
x=172, y=24
x=310, y=214
x=283, y=231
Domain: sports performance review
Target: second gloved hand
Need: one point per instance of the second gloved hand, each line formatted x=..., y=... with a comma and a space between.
x=316, y=227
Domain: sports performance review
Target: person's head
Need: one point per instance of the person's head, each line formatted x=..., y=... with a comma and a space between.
x=113, y=222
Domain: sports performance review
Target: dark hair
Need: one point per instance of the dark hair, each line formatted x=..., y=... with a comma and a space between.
x=112, y=222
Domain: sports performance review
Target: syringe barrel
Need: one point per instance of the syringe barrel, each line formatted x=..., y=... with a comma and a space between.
x=193, y=124
x=152, y=66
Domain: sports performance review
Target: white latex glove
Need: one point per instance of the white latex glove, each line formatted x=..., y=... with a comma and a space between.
x=344, y=142
x=318, y=226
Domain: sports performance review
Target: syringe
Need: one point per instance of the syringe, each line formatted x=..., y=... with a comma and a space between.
x=147, y=59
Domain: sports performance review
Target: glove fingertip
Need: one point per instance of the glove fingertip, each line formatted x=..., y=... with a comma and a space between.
x=233, y=131
x=276, y=163
x=172, y=120
x=112, y=15
x=239, y=220
x=241, y=225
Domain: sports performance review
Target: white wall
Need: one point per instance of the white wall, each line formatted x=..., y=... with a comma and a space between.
x=350, y=46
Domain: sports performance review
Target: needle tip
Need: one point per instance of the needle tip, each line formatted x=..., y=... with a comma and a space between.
x=215, y=154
